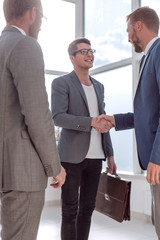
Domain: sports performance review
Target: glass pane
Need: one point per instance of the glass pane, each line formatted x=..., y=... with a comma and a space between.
x=118, y=99
x=56, y=33
x=48, y=82
x=105, y=26
x=2, y=19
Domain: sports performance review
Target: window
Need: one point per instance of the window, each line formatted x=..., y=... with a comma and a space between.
x=48, y=79
x=118, y=99
x=112, y=67
x=155, y=4
x=108, y=36
x=57, y=31
x=2, y=20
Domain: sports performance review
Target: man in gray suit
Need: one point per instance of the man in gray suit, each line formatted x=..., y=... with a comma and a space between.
x=77, y=100
x=28, y=153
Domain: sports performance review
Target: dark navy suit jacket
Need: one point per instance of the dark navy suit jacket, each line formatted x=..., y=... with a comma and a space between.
x=146, y=117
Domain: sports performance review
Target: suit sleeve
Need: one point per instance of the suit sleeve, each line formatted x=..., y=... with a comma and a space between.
x=124, y=121
x=107, y=144
x=27, y=69
x=60, y=109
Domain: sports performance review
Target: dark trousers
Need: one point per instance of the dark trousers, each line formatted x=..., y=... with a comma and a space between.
x=78, y=198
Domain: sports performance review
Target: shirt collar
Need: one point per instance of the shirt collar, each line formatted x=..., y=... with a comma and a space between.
x=149, y=45
x=21, y=30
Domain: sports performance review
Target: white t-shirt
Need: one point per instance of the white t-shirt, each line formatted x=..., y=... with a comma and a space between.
x=95, y=147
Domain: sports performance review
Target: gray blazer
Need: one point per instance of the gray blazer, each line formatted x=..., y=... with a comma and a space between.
x=70, y=111
x=28, y=151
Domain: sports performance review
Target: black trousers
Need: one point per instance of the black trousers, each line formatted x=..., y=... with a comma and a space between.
x=78, y=198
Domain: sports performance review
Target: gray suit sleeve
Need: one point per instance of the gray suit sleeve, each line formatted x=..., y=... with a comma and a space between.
x=27, y=67
x=107, y=144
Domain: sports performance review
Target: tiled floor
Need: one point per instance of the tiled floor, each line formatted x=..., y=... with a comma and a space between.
x=103, y=228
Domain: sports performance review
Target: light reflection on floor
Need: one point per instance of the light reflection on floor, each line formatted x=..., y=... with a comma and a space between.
x=102, y=228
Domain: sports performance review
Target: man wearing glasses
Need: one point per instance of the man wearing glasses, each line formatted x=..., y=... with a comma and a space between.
x=28, y=153
x=77, y=101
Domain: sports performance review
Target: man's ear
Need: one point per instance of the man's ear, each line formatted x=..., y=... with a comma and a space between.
x=71, y=58
x=32, y=15
x=139, y=25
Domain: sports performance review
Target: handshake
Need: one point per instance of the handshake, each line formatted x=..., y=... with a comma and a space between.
x=103, y=123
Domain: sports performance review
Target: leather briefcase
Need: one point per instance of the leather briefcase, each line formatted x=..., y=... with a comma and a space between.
x=113, y=197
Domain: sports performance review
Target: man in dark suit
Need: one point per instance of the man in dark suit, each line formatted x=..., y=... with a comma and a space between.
x=142, y=28
x=28, y=153
x=77, y=100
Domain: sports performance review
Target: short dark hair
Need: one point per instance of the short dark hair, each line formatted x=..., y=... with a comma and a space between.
x=17, y=8
x=73, y=45
x=148, y=16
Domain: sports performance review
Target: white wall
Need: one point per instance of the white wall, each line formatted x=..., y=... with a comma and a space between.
x=140, y=195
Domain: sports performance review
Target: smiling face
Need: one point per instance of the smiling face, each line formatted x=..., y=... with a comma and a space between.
x=83, y=61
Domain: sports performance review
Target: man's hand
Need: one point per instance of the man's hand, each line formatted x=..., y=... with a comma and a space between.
x=112, y=168
x=103, y=123
x=100, y=124
x=153, y=173
x=59, y=180
x=109, y=119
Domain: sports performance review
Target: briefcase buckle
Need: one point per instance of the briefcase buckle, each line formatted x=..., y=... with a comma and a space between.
x=107, y=197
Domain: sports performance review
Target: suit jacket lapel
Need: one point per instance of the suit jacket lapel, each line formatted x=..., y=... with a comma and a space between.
x=148, y=53
x=147, y=57
x=76, y=82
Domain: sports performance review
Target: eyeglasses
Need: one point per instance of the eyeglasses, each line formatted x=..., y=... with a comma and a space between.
x=85, y=51
x=41, y=14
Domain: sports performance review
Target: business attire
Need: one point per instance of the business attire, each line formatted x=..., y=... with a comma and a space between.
x=146, y=118
x=28, y=153
x=73, y=106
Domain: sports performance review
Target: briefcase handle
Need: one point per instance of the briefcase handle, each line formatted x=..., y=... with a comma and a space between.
x=113, y=175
